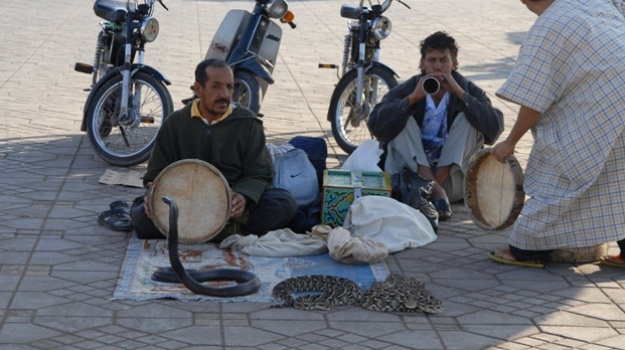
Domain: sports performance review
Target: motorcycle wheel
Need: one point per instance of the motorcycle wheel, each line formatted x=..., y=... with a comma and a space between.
x=349, y=127
x=246, y=91
x=127, y=142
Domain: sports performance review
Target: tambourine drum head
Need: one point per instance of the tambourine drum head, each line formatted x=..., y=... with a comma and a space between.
x=202, y=195
x=493, y=191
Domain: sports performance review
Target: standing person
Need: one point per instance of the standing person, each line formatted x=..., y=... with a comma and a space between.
x=569, y=79
x=232, y=139
x=436, y=135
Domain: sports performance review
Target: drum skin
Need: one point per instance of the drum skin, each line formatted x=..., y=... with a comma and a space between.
x=493, y=191
x=202, y=195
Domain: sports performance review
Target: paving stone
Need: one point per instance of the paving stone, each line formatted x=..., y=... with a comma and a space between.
x=617, y=342
x=14, y=333
x=71, y=324
x=153, y=325
x=289, y=328
x=491, y=317
x=238, y=336
x=367, y=329
x=587, y=334
x=466, y=341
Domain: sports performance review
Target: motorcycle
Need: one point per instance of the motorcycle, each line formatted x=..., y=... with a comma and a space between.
x=250, y=42
x=128, y=101
x=363, y=80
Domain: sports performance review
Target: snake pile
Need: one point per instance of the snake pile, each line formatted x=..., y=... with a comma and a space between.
x=397, y=293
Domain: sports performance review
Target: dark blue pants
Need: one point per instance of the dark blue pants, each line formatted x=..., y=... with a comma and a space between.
x=274, y=210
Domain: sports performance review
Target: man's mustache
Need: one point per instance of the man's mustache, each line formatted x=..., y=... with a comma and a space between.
x=222, y=100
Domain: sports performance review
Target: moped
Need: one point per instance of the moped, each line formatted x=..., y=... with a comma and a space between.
x=364, y=80
x=128, y=100
x=250, y=42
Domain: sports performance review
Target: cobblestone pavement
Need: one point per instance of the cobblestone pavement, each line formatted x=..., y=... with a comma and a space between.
x=59, y=268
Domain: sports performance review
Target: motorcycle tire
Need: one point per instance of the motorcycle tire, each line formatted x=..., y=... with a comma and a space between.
x=127, y=142
x=349, y=129
x=246, y=91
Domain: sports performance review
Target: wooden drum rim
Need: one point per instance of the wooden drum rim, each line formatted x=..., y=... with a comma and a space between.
x=514, y=191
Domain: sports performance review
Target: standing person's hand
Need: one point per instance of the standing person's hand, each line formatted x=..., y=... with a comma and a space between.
x=502, y=150
x=238, y=205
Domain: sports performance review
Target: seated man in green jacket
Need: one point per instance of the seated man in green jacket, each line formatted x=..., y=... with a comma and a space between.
x=230, y=138
x=435, y=134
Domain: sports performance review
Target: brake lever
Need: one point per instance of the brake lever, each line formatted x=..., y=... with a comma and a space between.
x=401, y=2
x=161, y=2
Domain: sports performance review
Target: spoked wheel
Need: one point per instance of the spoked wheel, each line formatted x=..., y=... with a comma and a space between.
x=349, y=121
x=246, y=91
x=126, y=141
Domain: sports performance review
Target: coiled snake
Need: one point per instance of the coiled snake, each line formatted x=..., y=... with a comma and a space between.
x=397, y=293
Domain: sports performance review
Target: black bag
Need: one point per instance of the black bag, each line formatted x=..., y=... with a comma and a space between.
x=414, y=190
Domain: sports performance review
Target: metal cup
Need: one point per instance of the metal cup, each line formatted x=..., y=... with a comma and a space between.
x=431, y=85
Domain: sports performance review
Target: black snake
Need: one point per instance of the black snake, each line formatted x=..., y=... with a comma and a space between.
x=397, y=293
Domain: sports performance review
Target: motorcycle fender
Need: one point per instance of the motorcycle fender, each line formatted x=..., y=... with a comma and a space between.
x=108, y=76
x=381, y=65
x=256, y=69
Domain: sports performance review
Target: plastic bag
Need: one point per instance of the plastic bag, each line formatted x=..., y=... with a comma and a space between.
x=383, y=219
x=365, y=157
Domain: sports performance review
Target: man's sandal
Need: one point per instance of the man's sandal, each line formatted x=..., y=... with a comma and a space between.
x=116, y=219
x=506, y=257
x=615, y=260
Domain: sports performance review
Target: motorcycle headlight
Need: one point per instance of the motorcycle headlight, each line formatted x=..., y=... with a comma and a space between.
x=277, y=9
x=149, y=29
x=381, y=27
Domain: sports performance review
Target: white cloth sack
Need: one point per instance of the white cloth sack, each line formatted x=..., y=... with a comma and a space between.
x=278, y=243
x=364, y=158
x=350, y=249
x=386, y=220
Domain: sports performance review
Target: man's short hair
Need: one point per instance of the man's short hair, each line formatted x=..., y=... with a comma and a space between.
x=439, y=41
x=200, y=70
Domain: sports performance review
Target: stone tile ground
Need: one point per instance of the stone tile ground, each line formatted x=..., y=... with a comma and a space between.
x=59, y=268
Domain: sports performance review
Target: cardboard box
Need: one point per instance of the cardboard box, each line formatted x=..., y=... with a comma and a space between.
x=341, y=187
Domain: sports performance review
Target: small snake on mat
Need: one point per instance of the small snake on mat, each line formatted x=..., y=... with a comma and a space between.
x=396, y=294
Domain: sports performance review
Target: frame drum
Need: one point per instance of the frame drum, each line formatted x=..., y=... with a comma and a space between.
x=493, y=191
x=202, y=195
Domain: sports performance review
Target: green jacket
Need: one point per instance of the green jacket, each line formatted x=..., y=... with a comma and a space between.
x=235, y=146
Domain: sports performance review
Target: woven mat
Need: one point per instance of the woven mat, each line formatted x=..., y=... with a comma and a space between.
x=143, y=257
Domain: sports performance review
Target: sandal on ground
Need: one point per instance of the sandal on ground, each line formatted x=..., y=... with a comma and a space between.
x=116, y=219
x=615, y=260
x=443, y=208
x=121, y=204
x=506, y=257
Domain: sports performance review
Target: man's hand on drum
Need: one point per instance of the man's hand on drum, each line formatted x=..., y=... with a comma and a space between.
x=238, y=205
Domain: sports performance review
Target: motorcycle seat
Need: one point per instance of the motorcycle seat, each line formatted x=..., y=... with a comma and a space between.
x=111, y=10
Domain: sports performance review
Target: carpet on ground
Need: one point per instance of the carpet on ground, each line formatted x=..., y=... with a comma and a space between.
x=143, y=257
